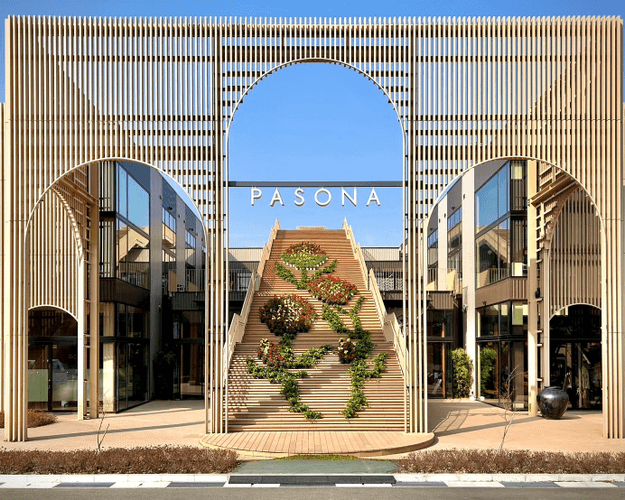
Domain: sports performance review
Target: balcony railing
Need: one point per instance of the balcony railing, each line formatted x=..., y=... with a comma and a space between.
x=492, y=275
x=135, y=273
x=441, y=279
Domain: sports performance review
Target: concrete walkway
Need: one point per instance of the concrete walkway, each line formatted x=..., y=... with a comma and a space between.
x=474, y=425
x=456, y=425
x=158, y=423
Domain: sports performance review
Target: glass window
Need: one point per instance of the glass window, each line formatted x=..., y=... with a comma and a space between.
x=493, y=255
x=503, y=180
x=107, y=319
x=107, y=248
x=519, y=318
x=488, y=321
x=518, y=185
x=138, y=205
x=433, y=248
x=439, y=323
x=519, y=247
x=122, y=191
x=487, y=204
x=191, y=325
x=137, y=320
x=493, y=199
x=503, y=320
x=122, y=327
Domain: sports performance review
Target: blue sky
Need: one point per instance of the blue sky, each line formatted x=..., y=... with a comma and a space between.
x=311, y=122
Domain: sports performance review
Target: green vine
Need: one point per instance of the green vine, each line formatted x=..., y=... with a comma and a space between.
x=278, y=373
x=302, y=284
x=365, y=345
x=358, y=373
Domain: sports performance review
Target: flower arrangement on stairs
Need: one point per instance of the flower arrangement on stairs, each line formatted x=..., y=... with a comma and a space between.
x=287, y=315
x=305, y=257
x=279, y=359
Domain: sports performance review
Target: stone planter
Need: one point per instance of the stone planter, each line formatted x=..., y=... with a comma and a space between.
x=552, y=402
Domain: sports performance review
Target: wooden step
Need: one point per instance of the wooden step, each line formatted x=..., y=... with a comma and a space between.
x=256, y=404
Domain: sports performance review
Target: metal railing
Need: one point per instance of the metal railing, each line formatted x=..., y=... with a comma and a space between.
x=388, y=280
x=194, y=280
x=135, y=273
x=492, y=275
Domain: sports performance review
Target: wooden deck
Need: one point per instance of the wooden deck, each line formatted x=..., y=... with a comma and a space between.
x=285, y=443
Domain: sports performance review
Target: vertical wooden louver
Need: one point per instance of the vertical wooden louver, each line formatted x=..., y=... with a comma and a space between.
x=163, y=92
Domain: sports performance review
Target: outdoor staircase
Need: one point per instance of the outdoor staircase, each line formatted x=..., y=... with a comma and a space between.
x=257, y=405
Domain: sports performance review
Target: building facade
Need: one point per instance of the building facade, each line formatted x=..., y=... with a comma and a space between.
x=81, y=92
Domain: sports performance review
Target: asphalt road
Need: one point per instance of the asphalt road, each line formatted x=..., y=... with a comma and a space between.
x=312, y=493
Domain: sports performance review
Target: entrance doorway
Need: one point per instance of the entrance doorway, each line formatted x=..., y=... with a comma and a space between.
x=575, y=355
x=52, y=360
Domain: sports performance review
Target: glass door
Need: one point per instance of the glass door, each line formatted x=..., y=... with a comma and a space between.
x=39, y=377
x=64, y=371
x=191, y=367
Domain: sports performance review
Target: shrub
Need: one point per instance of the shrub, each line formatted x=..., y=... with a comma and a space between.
x=512, y=462
x=462, y=373
x=155, y=460
x=35, y=419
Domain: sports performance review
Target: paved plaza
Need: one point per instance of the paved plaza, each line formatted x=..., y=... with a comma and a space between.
x=456, y=424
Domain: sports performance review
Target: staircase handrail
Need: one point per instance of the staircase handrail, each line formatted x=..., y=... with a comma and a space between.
x=394, y=332
x=357, y=251
x=377, y=300
x=239, y=321
x=267, y=247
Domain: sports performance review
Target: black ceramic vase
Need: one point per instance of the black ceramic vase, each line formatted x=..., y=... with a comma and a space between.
x=552, y=402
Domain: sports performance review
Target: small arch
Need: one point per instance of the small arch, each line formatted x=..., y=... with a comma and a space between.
x=52, y=306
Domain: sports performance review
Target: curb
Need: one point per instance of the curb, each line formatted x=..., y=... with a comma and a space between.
x=304, y=480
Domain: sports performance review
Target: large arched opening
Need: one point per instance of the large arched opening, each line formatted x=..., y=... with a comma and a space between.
x=330, y=126
x=503, y=249
x=121, y=247
x=334, y=134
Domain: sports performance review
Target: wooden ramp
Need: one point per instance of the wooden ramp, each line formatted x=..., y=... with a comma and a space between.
x=287, y=443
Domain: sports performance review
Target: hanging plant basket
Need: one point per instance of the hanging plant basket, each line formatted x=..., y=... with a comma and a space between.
x=304, y=256
x=332, y=290
x=288, y=314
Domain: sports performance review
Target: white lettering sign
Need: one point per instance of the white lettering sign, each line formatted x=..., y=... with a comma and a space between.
x=373, y=197
x=299, y=194
x=323, y=197
x=323, y=203
x=344, y=195
x=256, y=195
x=276, y=198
